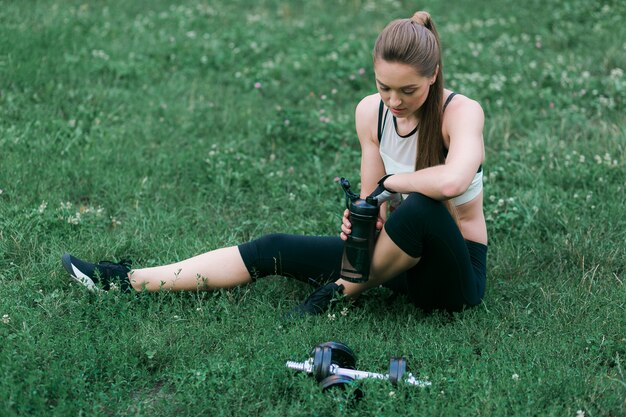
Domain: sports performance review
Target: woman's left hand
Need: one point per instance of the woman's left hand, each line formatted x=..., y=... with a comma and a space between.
x=380, y=222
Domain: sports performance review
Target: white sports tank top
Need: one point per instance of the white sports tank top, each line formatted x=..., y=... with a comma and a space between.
x=399, y=152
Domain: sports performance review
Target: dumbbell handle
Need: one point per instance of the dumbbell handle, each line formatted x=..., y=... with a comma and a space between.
x=307, y=366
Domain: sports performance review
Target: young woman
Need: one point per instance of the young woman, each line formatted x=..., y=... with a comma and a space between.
x=422, y=150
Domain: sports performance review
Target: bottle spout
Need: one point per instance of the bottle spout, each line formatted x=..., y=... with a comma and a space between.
x=350, y=195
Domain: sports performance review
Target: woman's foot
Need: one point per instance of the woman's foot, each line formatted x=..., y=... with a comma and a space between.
x=318, y=302
x=104, y=275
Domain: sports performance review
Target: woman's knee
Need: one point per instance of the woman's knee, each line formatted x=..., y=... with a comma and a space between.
x=406, y=223
x=297, y=256
x=260, y=255
x=419, y=203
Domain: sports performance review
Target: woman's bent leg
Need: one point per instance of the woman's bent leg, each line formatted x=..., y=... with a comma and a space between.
x=445, y=277
x=422, y=239
x=389, y=261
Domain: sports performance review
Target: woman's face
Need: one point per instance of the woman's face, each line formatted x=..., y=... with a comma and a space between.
x=402, y=89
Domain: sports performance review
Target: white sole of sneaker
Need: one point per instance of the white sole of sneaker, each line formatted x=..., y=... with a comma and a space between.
x=77, y=275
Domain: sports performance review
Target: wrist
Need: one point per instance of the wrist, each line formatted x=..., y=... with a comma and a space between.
x=385, y=183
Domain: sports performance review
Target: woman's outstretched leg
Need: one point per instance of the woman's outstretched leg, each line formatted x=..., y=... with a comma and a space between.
x=311, y=259
x=220, y=268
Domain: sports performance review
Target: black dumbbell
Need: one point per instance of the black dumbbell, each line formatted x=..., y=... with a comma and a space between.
x=397, y=369
x=327, y=359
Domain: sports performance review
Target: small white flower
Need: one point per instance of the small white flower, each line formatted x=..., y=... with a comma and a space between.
x=6, y=319
x=515, y=377
x=100, y=54
x=74, y=219
x=344, y=311
x=580, y=413
x=331, y=317
x=392, y=393
x=617, y=73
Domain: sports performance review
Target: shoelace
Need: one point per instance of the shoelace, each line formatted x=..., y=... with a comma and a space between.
x=123, y=263
x=115, y=273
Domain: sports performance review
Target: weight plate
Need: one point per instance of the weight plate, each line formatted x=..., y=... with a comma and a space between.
x=318, y=356
x=322, y=359
x=327, y=356
x=397, y=368
x=342, y=355
x=344, y=382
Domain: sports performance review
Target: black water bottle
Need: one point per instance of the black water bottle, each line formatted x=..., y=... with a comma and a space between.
x=358, y=249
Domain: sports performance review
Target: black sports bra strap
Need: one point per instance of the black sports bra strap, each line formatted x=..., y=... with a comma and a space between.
x=380, y=120
x=448, y=100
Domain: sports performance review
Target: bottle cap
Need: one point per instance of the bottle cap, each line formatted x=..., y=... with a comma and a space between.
x=364, y=208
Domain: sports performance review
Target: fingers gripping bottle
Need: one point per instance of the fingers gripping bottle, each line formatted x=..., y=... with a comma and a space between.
x=358, y=249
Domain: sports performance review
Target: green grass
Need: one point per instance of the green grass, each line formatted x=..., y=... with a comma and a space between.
x=135, y=129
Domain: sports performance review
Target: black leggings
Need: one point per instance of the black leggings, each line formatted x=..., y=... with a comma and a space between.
x=449, y=276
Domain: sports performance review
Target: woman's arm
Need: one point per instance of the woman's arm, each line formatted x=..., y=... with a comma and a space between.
x=366, y=119
x=372, y=167
x=463, y=125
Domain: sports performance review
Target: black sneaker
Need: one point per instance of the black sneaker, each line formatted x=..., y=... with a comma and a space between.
x=104, y=275
x=318, y=302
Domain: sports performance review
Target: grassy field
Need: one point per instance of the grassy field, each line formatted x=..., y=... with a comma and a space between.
x=157, y=130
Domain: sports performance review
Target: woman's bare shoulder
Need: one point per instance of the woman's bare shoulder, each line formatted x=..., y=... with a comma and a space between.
x=366, y=118
x=368, y=106
x=461, y=103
